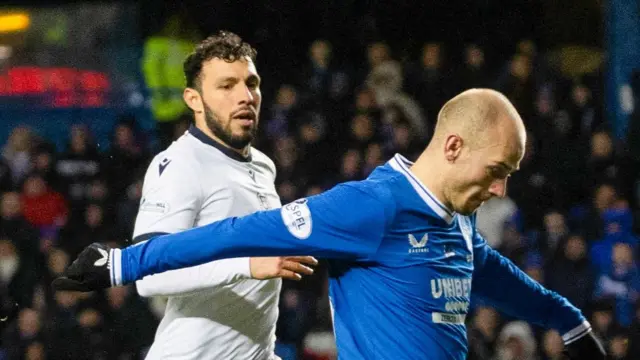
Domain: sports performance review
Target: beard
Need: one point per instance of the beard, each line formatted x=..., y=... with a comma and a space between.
x=224, y=132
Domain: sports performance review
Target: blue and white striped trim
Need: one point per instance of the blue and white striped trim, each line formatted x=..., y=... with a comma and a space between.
x=115, y=267
x=401, y=164
x=576, y=333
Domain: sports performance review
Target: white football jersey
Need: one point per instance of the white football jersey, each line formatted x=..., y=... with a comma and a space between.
x=215, y=310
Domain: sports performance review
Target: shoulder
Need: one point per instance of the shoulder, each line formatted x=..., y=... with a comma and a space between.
x=386, y=184
x=185, y=151
x=261, y=159
x=369, y=195
x=179, y=163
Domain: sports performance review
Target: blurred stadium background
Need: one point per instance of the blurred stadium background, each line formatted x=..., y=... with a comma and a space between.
x=89, y=91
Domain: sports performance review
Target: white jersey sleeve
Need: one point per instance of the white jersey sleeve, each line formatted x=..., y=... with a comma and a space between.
x=171, y=200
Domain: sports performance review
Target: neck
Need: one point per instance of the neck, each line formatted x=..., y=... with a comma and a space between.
x=428, y=171
x=205, y=129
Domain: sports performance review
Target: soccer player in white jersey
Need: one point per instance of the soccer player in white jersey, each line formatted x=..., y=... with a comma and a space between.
x=224, y=309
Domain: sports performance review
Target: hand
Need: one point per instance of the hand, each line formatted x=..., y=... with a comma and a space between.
x=587, y=347
x=291, y=268
x=89, y=272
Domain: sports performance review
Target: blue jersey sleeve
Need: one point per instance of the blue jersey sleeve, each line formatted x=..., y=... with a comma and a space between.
x=347, y=221
x=501, y=284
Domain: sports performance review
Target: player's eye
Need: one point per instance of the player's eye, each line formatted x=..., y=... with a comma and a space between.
x=253, y=84
x=226, y=86
x=497, y=172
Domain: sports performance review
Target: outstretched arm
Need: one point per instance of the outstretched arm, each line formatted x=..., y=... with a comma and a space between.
x=501, y=284
x=347, y=221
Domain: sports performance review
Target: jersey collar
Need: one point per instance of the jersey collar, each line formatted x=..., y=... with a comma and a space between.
x=401, y=164
x=200, y=135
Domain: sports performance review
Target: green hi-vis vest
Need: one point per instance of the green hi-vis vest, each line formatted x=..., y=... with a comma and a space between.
x=162, y=68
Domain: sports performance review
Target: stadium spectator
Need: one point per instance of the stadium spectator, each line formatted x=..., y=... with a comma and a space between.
x=619, y=345
x=430, y=82
x=79, y=164
x=552, y=346
x=18, y=275
x=516, y=342
x=125, y=158
x=473, y=73
x=621, y=280
x=518, y=84
x=14, y=225
x=26, y=332
x=43, y=207
x=483, y=333
x=17, y=153
x=569, y=271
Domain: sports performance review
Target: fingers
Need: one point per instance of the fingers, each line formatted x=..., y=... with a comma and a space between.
x=290, y=275
x=297, y=267
x=310, y=260
x=292, y=268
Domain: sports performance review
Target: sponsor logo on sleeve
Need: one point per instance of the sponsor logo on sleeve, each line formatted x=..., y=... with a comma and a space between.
x=154, y=206
x=297, y=217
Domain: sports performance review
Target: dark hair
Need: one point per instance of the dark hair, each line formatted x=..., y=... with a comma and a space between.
x=224, y=45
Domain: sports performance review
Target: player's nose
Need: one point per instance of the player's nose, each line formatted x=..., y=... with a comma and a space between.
x=498, y=188
x=245, y=95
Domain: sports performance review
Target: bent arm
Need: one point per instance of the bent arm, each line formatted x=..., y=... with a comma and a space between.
x=194, y=279
x=171, y=202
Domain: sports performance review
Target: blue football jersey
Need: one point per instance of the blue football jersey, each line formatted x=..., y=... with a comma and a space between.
x=409, y=299
x=403, y=268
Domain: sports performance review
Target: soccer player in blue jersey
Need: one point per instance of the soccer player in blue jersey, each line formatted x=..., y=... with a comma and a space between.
x=405, y=257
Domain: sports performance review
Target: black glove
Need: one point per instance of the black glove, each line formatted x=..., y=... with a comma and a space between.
x=587, y=347
x=89, y=272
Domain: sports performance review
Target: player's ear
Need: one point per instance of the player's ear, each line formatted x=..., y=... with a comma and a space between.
x=452, y=147
x=193, y=99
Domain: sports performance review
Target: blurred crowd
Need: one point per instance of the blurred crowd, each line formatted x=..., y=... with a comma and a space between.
x=568, y=219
